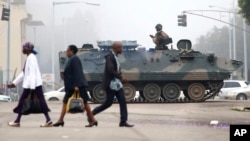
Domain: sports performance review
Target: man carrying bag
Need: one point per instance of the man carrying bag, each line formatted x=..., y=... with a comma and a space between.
x=112, y=83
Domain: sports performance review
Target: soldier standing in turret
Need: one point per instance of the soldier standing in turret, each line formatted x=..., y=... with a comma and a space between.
x=160, y=37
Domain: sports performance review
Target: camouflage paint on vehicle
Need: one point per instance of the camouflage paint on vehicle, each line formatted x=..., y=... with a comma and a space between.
x=158, y=73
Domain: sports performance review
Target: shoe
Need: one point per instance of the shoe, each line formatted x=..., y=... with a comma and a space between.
x=47, y=124
x=92, y=124
x=13, y=124
x=125, y=124
x=58, y=124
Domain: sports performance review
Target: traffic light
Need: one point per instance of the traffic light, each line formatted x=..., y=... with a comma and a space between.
x=182, y=20
x=5, y=14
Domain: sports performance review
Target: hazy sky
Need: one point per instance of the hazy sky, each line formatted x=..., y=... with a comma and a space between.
x=115, y=20
x=133, y=19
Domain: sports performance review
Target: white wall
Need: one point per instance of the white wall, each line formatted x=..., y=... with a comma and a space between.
x=16, y=58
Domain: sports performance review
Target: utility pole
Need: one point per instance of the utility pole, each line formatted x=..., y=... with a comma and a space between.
x=54, y=4
x=229, y=31
x=245, y=51
x=230, y=41
x=8, y=52
x=234, y=36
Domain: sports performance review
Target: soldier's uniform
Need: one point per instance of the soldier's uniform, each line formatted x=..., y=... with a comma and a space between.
x=160, y=37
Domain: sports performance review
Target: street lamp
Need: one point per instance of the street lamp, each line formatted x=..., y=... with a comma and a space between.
x=35, y=24
x=53, y=28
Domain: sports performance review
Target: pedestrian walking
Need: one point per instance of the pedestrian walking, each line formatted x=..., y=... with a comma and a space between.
x=32, y=83
x=75, y=82
x=112, y=84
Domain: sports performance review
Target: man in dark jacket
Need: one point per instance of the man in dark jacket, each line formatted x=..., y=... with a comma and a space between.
x=112, y=72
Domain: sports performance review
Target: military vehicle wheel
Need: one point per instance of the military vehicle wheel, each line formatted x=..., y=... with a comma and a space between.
x=196, y=91
x=152, y=92
x=171, y=92
x=129, y=92
x=98, y=93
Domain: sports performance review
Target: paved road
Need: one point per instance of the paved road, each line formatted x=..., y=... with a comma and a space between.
x=161, y=122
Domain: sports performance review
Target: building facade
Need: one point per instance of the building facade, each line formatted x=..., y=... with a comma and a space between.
x=18, y=16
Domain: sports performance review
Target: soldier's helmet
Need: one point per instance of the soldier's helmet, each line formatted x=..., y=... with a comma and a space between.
x=158, y=27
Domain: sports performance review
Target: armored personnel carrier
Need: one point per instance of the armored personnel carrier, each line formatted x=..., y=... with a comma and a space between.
x=157, y=74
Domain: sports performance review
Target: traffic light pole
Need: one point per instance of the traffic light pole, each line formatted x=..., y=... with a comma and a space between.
x=234, y=25
x=234, y=36
x=8, y=53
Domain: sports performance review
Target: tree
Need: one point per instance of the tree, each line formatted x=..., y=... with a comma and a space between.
x=217, y=41
x=245, y=9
